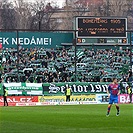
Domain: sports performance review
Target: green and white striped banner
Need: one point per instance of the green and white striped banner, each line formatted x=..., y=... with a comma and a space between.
x=24, y=88
x=80, y=54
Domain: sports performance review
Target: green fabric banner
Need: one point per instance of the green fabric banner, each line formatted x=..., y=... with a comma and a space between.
x=78, y=88
x=24, y=88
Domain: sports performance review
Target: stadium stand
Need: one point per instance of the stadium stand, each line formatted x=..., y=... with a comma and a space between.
x=58, y=65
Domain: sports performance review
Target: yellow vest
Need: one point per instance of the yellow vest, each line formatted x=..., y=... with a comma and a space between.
x=68, y=92
x=6, y=93
x=129, y=90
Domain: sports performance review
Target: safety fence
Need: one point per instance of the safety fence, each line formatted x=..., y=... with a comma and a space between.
x=58, y=89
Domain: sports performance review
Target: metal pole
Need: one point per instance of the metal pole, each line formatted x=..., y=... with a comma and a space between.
x=75, y=51
x=18, y=55
x=39, y=20
x=39, y=24
x=107, y=12
x=131, y=49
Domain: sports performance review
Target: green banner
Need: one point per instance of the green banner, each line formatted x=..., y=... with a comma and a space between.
x=58, y=89
x=80, y=88
x=24, y=88
x=34, y=39
x=76, y=87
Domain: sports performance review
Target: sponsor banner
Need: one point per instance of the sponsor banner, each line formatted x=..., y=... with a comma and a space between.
x=89, y=102
x=27, y=104
x=20, y=104
x=37, y=104
x=12, y=100
x=76, y=87
x=122, y=98
x=49, y=103
x=9, y=104
x=76, y=103
x=69, y=103
x=74, y=98
x=55, y=103
x=102, y=98
x=125, y=98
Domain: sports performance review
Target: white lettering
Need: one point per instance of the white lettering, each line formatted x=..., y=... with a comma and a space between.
x=12, y=100
x=20, y=41
x=98, y=87
x=104, y=88
x=74, y=88
x=29, y=100
x=122, y=99
x=14, y=41
x=33, y=41
x=92, y=88
x=50, y=41
x=128, y=99
x=5, y=41
x=26, y=41
x=85, y=88
x=39, y=41
x=45, y=41
x=63, y=89
x=80, y=88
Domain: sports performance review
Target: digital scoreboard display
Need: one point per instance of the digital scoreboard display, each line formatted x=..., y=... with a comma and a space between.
x=102, y=27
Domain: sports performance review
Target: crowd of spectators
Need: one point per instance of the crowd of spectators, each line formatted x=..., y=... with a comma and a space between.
x=58, y=65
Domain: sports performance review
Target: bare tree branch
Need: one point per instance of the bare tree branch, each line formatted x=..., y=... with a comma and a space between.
x=8, y=16
x=42, y=15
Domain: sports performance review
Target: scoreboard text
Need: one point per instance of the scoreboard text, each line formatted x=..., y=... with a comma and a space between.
x=92, y=27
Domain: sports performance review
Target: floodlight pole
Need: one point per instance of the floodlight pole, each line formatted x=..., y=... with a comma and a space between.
x=18, y=54
x=39, y=24
x=75, y=57
x=131, y=49
x=108, y=9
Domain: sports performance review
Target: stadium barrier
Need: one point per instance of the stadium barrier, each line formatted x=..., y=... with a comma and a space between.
x=12, y=100
x=77, y=88
x=30, y=94
x=60, y=100
x=73, y=98
x=56, y=89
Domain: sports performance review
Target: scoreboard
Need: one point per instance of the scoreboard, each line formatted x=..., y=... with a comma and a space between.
x=103, y=40
x=101, y=27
